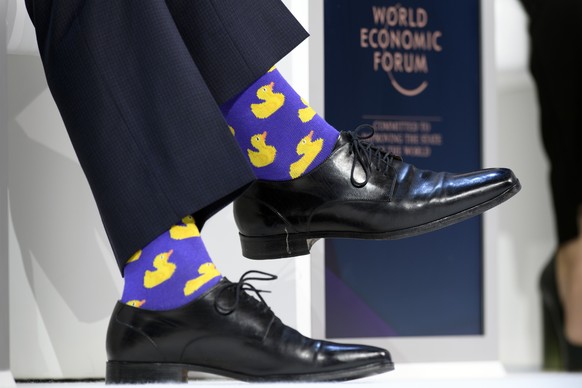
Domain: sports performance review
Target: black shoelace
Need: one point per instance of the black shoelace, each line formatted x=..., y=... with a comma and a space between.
x=239, y=288
x=368, y=155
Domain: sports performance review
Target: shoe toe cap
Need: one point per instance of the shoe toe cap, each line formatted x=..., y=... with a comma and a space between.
x=355, y=354
x=487, y=184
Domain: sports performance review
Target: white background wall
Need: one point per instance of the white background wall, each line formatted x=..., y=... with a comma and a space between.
x=5, y=377
x=64, y=281
x=526, y=228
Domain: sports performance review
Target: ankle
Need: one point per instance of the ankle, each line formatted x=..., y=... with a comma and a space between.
x=276, y=128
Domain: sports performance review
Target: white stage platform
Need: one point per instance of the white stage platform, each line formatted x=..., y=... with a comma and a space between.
x=445, y=375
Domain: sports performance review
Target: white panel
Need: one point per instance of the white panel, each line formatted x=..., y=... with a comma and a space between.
x=489, y=134
x=511, y=40
x=5, y=375
x=21, y=38
x=526, y=225
x=526, y=236
x=298, y=75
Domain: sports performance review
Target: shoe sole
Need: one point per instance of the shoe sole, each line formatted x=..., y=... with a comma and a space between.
x=118, y=372
x=297, y=244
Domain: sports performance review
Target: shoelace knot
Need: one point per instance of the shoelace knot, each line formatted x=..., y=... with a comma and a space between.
x=240, y=287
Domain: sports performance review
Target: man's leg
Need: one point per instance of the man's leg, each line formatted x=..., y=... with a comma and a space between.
x=146, y=128
x=315, y=181
x=171, y=271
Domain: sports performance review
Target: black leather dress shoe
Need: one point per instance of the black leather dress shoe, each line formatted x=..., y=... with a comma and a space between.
x=227, y=332
x=361, y=192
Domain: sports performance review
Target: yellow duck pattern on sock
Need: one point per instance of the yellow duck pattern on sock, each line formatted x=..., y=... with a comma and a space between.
x=306, y=114
x=309, y=149
x=164, y=270
x=272, y=102
x=188, y=230
x=271, y=106
x=207, y=272
x=135, y=257
x=136, y=303
x=265, y=153
x=172, y=270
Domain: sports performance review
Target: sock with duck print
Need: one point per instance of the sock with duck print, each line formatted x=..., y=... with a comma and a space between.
x=282, y=135
x=171, y=271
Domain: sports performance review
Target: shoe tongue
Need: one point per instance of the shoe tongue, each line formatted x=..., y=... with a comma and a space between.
x=225, y=297
x=343, y=139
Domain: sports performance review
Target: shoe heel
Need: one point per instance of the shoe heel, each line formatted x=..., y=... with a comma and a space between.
x=275, y=247
x=552, y=357
x=143, y=373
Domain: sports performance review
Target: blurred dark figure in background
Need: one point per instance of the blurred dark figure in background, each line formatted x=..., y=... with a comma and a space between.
x=555, y=45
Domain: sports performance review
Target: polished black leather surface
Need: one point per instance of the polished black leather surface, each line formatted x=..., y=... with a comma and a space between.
x=250, y=343
x=398, y=199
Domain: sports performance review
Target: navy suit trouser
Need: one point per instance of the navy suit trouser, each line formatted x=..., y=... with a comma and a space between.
x=138, y=84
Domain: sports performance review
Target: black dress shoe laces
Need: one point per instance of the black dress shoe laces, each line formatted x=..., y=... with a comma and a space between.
x=369, y=156
x=239, y=290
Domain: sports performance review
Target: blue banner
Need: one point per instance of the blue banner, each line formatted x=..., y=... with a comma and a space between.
x=411, y=69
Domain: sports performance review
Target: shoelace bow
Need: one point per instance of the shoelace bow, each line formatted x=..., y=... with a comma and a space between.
x=240, y=287
x=367, y=154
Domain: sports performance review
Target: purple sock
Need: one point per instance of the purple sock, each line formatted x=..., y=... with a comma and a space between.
x=281, y=134
x=171, y=271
